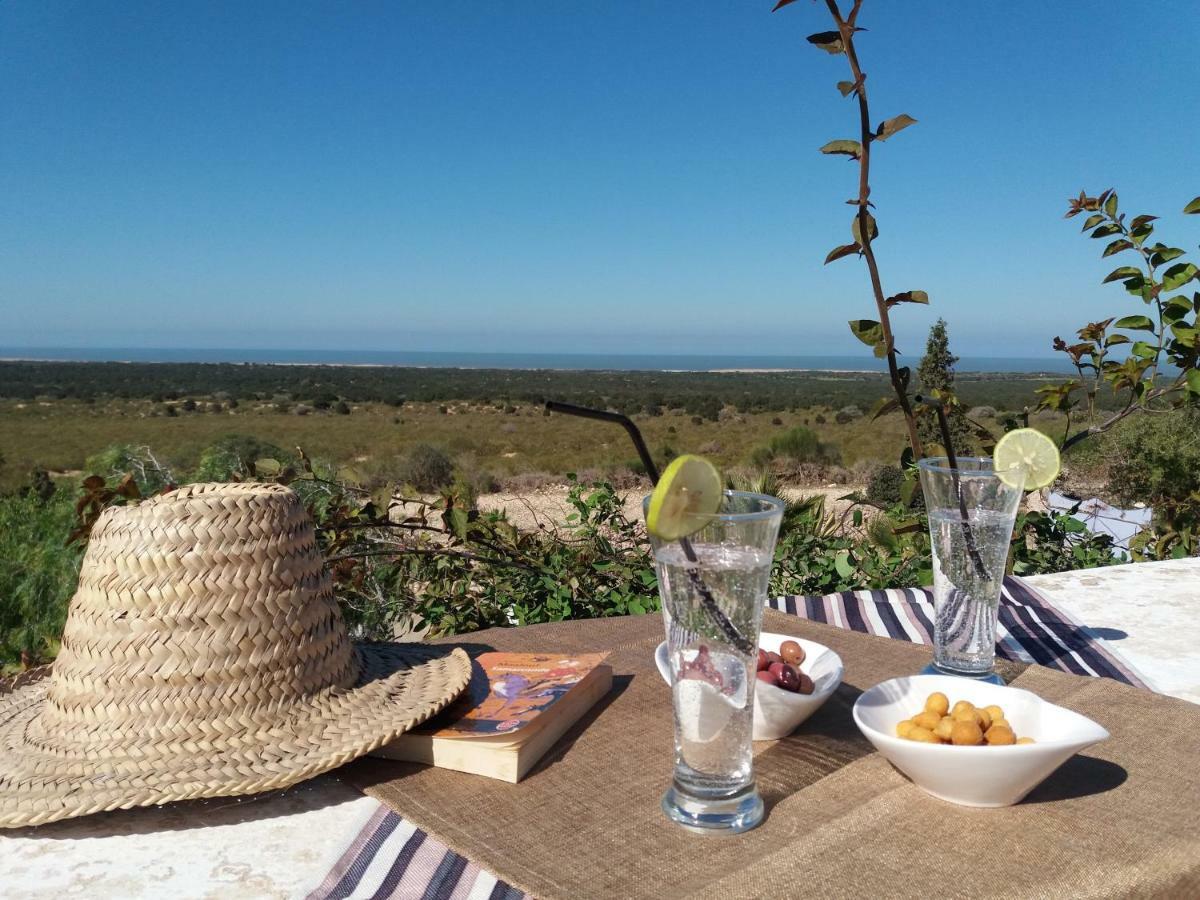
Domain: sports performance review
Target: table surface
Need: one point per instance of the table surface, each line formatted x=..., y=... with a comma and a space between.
x=283, y=843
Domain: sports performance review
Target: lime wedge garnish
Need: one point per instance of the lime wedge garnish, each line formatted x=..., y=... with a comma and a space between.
x=1028, y=450
x=686, y=496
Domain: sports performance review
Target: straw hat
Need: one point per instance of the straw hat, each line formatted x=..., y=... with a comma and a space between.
x=204, y=656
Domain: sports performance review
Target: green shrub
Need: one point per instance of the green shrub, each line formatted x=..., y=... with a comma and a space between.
x=1154, y=458
x=1057, y=542
x=37, y=575
x=801, y=444
x=883, y=485
x=151, y=474
x=427, y=468
x=235, y=455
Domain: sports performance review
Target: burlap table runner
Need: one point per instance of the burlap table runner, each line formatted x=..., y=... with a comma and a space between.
x=1121, y=819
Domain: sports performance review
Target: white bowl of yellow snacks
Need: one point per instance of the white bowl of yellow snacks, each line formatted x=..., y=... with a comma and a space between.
x=970, y=742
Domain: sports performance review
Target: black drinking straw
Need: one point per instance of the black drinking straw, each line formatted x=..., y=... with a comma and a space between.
x=968, y=534
x=706, y=598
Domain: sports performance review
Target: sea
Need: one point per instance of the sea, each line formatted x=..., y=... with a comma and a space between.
x=627, y=362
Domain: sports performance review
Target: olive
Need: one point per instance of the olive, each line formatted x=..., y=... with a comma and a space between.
x=763, y=661
x=792, y=653
x=789, y=678
x=766, y=676
x=806, y=684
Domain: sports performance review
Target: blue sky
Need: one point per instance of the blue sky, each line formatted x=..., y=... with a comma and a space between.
x=637, y=176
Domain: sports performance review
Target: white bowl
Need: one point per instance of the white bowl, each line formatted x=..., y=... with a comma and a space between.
x=777, y=713
x=974, y=776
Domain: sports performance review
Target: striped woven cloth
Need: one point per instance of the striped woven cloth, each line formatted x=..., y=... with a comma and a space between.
x=1031, y=629
x=392, y=858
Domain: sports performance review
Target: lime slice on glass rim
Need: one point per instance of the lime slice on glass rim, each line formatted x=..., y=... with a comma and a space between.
x=1030, y=451
x=685, y=498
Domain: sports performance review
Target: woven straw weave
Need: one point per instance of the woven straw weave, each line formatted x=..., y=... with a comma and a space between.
x=204, y=655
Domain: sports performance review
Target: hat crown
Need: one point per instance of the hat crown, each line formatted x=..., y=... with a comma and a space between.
x=197, y=612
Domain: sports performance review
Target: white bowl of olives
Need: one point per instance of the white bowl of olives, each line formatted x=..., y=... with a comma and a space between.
x=794, y=679
x=970, y=742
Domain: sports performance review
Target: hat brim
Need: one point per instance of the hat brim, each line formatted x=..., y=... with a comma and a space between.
x=399, y=686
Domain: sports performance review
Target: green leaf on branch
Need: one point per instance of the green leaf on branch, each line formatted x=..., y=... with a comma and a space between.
x=1122, y=273
x=844, y=250
x=1113, y=339
x=1164, y=254
x=1136, y=323
x=1092, y=221
x=884, y=406
x=908, y=297
x=872, y=229
x=1179, y=275
x=1140, y=229
x=853, y=149
x=829, y=41
x=846, y=87
x=1117, y=246
x=1176, y=308
x=1193, y=376
x=868, y=331
x=1143, y=350
x=1186, y=334
x=1137, y=285
x=888, y=127
x=842, y=563
x=1110, y=205
x=1106, y=230
x=1193, y=208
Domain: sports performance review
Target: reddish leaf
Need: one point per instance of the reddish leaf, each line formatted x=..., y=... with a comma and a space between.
x=839, y=252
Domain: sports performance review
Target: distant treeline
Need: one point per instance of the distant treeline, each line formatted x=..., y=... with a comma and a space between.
x=698, y=393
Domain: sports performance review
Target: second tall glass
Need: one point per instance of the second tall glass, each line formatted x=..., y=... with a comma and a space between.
x=971, y=514
x=713, y=586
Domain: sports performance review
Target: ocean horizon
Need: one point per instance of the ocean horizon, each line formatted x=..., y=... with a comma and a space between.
x=629, y=362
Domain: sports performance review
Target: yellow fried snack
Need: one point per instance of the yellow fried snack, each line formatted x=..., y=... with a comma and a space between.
x=964, y=724
x=922, y=735
x=963, y=714
x=965, y=734
x=998, y=734
x=928, y=720
x=937, y=702
x=962, y=705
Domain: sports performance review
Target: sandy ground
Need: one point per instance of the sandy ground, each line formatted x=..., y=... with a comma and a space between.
x=548, y=506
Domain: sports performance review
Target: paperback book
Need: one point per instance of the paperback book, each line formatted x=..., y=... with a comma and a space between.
x=516, y=706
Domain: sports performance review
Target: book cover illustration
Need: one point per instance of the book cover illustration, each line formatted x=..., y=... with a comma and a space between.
x=509, y=690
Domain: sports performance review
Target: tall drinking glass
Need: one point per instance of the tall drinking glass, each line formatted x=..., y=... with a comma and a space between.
x=971, y=514
x=713, y=586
